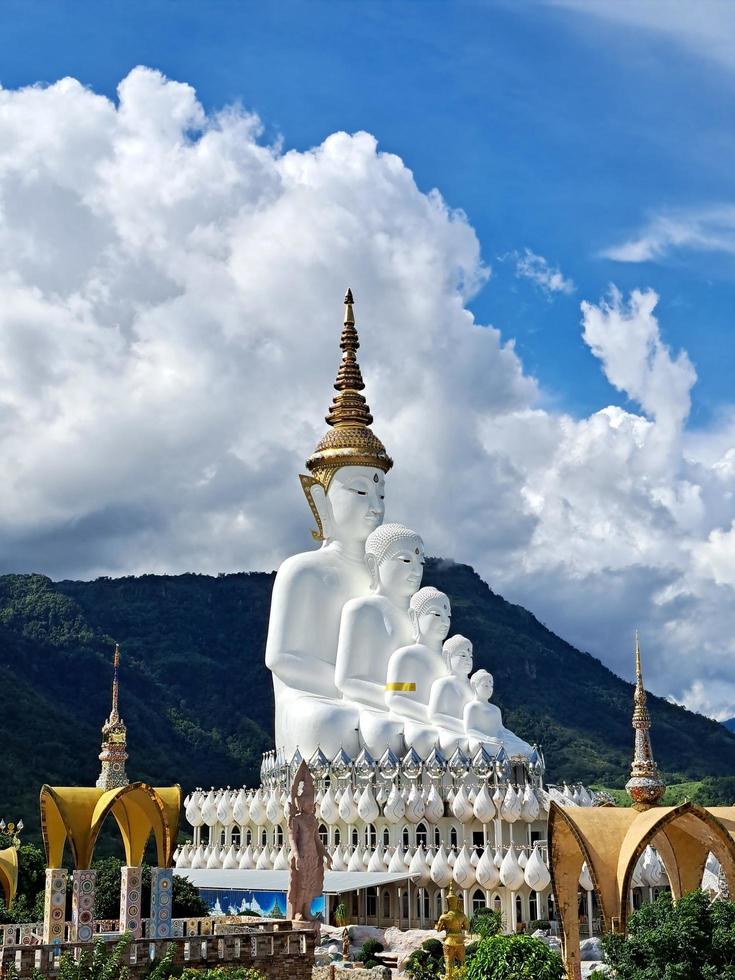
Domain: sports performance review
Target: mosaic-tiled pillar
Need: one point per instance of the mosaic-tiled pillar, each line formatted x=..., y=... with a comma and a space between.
x=162, y=887
x=131, y=897
x=82, y=905
x=54, y=905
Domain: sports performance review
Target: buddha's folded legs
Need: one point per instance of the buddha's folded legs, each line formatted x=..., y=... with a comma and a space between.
x=308, y=723
x=379, y=731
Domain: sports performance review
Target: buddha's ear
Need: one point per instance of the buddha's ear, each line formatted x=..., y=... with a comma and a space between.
x=317, y=500
x=414, y=620
x=372, y=565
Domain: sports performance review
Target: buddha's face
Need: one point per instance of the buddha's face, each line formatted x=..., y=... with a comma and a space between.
x=356, y=502
x=484, y=688
x=434, y=622
x=462, y=660
x=402, y=569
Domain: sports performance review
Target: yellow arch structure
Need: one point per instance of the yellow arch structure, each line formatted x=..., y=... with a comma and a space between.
x=76, y=814
x=611, y=840
x=9, y=874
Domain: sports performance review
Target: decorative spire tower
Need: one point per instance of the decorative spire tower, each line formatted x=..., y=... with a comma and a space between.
x=645, y=786
x=349, y=441
x=114, y=739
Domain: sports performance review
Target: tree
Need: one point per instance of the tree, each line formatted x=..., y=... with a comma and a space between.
x=693, y=939
x=31, y=883
x=514, y=958
x=486, y=922
x=186, y=901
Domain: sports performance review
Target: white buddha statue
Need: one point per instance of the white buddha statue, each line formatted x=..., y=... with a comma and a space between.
x=414, y=668
x=450, y=693
x=483, y=722
x=374, y=626
x=345, y=490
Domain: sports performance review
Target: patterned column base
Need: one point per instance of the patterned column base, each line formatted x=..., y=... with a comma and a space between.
x=162, y=887
x=131, y=899
x=82, y=905
x=54, y=906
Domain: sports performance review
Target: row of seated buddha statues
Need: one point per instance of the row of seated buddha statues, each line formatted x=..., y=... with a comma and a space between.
x=357, y=648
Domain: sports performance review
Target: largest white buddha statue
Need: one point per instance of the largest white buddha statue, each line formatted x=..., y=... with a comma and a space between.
x=345, y=490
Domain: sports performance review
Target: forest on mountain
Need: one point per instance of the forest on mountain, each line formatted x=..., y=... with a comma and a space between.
x=198, y=702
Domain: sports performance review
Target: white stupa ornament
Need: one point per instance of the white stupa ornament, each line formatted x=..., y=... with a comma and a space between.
x=529, y=806
x=415, y=805
x=510, y=809
x=419, y=868
x=441, y=873
x=247, y=862
x=463, y=872
x=511, y=873
x=328, y=809
x=461, y=806
x=241, y=808
x=483, y=807
x=536, y=874
x=486, y=872
x=367, y=807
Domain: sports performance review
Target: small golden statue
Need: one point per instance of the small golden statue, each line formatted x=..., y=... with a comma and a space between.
x=454, y=922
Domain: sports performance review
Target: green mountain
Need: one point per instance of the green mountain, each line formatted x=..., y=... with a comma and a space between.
x=197, y=698
x=729, y=724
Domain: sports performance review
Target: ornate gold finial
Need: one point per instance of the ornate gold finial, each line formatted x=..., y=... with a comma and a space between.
x=645, y=786
x=114, y=739
x=349, y=441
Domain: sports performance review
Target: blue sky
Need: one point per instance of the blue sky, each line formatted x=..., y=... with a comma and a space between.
x=555, y=130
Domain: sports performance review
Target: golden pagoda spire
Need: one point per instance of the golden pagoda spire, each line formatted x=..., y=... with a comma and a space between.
x=114, y=739
x=349, y=406
x=645, y=786
x=349, y=441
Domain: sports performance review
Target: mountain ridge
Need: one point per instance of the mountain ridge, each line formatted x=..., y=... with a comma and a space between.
x=198, y=702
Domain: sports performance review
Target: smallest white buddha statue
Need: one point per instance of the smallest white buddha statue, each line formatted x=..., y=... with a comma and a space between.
x=450, y=694
x=413, y=669
x=483, y=721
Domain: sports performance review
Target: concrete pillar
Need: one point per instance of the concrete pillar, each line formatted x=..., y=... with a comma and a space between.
x=131, y=897
x=54, y=906
x=82, y=905
x=162, y=888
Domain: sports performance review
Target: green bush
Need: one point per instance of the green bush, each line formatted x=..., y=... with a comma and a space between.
x=223, y=973
x=434, y=947
x=421, y=965
x=486, y=922
x=543, y=924
x=694, y=938
x=470, y=951
x=514, y=958
x=368, y=950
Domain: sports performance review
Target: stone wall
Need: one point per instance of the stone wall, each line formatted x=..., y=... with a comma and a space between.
x=280, y=954
x=336, y=972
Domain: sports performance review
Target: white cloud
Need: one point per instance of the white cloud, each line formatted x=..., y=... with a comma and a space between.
x=709, y=229
x=537, y=269
x=706, y=28
x=170, y=307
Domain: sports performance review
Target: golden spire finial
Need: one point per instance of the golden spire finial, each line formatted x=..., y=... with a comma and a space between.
x=349, y=441
x=645, y=786
x=114, y=715
x=349, y=406
x=114, y=738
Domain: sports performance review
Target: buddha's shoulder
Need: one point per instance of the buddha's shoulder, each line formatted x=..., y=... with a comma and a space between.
x=310, y=566
x=367, y=606
x=414, y=652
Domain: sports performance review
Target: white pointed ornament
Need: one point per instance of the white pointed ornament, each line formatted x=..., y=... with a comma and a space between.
x=498, y=797
x=522, y=859
x=273, y=811
x=498, y=858
x=461, y=806
x=377, y=860
x=264, y=862
x=397, y=865
x=214, y=860
x=347, y=808
x=230, y=862
x=257, y=810
x=451, y=858
x=486, y=872
x=328, y=809
x=536, y=874
x=434, y=807
x=356, y=862
x=395, y=808
x=463, y=872
x=209, y=809
x=193, y=810
x=585, y=878
x=419, y=868
x=198, y=860
x=483, y=807
x=529, y=807
x=367, y=807
x=338, y=861
x=510, y=809
x=441, y=873
x=415, y=805
x=511, y=873
x=246, y=862
x=224, y=809
x=241, y=808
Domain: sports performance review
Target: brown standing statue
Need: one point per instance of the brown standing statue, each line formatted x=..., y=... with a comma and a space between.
x=306, y=876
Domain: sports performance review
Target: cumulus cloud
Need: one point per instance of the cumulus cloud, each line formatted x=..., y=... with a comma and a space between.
x=710, y=229
x=170, y=290
x=528, y=265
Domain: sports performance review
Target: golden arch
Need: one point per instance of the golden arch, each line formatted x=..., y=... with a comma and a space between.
x=9, y=874
x=76, y=814
x=611, y=841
